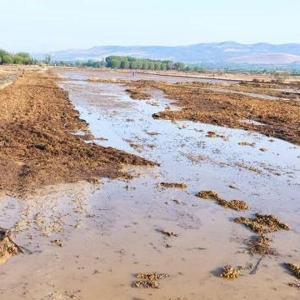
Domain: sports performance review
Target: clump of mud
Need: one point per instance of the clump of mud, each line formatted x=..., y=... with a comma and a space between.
x=38, y=142
x=173, y=185
x=149, y=280
x=57, y=242
x=246, y=144
x=234, y=204
x=294, y=284
x=294, y=269
x=229, y=272
x=7, y=246
x=167, y=233
x=238, y=205
x=213, y=134
x=137, y=94
x=211, y=195
x=261, y=245
x=262, y=224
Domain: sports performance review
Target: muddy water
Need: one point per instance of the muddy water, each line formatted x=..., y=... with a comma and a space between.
x=129, y=75
x=110, y=231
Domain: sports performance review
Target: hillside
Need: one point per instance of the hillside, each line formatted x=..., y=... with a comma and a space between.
x=208, y=53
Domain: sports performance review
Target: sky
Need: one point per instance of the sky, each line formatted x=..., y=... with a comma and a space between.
x=49, y=25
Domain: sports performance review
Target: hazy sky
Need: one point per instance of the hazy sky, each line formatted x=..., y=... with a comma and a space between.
x=42, y=25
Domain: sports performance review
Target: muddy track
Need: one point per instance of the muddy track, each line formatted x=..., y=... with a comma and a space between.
x=38, y=144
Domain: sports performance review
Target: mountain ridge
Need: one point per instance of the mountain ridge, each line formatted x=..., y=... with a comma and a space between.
x=228, y=52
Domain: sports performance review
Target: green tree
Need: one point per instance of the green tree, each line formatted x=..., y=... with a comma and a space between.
x=24, y=58
x=7, y=59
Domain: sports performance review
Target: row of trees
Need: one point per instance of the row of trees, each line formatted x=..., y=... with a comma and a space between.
x=20, y=58
x=88, y=63
x=127, y=62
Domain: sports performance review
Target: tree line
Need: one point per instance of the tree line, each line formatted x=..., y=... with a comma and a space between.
x=132, y=63
x=20, y=58
x=128, y=62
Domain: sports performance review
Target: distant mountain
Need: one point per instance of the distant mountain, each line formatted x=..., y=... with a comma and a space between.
x=225, y=53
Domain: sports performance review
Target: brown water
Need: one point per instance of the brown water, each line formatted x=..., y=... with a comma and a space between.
x=110, y=232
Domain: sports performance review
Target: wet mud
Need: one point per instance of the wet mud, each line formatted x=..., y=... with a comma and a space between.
x=280, y=119
x=39, y=145
x=89, y=241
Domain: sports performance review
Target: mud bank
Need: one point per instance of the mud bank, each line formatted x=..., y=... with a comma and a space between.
x=267, y=107
x=39, y=140
x=280, y=119
x=151, y=237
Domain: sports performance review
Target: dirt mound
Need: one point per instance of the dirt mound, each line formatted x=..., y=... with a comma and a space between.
x=38, y=145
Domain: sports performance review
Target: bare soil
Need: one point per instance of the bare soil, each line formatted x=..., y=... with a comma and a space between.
x=38, y=145
x=280, y=118
x=149, y=236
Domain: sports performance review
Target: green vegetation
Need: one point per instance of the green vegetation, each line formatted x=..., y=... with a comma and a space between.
x=127, y=62
x=20, y=58
x=88, y=63
x=131, y=63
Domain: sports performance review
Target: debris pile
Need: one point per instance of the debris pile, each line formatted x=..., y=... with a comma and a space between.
x=262, y=224
x=294, y=269
x=238, y=205
x=229, y=272
x=8, y=247
x=149, y=280
x=260, y=245
x=173, y=185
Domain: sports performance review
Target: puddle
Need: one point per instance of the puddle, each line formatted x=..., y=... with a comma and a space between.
x=113, y=230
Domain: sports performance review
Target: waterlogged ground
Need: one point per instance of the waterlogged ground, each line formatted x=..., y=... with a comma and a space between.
x=86, y=241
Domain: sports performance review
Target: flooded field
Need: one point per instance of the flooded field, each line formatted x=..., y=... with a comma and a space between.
x=89, y=240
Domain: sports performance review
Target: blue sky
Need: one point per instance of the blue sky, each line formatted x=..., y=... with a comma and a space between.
x=46, y=25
